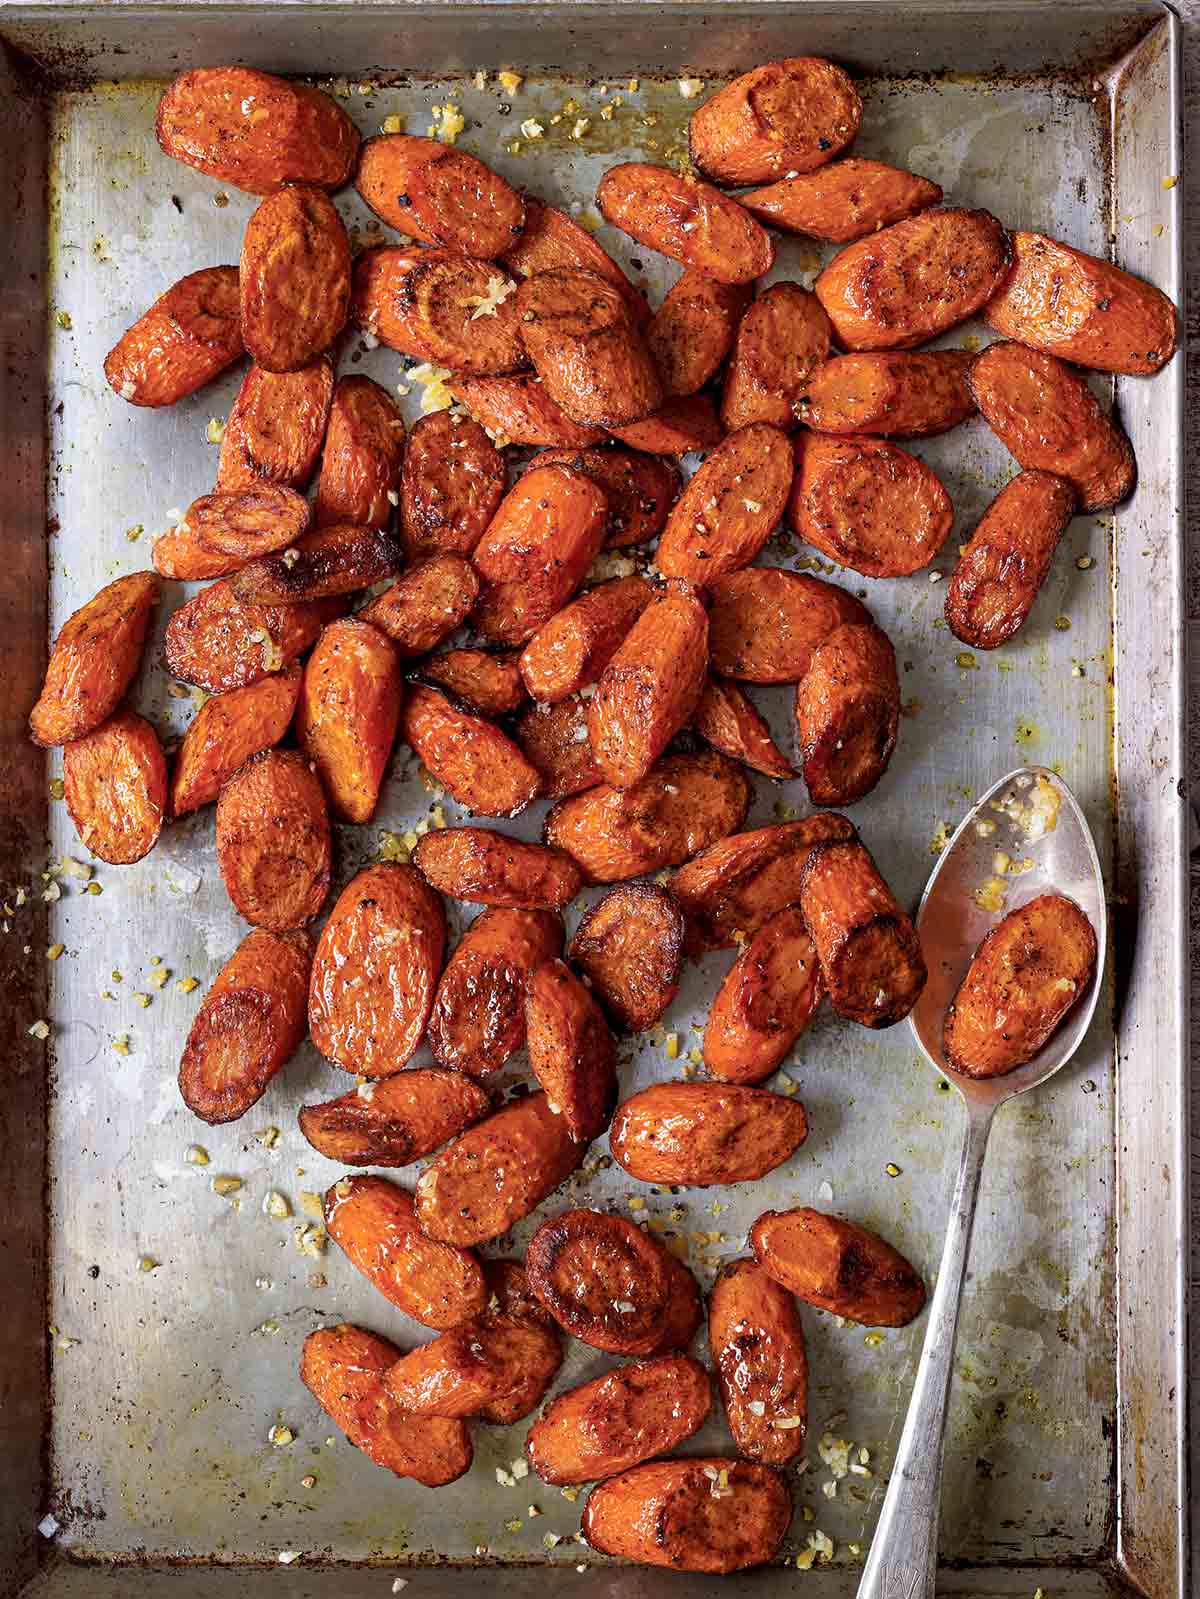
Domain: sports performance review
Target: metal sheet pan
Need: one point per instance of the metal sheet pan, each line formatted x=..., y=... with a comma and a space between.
x=1065, y=1446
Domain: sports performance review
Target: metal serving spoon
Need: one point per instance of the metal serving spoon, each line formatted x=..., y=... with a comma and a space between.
x=903, y=1560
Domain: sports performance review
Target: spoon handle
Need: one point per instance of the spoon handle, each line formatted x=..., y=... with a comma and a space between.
x=902, y=1563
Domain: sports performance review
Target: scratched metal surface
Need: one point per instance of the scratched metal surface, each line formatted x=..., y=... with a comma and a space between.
x=1190, y=27
x=163, y=1407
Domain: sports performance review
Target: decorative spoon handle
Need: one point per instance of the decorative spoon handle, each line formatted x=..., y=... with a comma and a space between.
x=902, y=1563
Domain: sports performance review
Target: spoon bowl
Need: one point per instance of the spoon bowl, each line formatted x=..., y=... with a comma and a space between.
x=952, y=924
x=1030, y=815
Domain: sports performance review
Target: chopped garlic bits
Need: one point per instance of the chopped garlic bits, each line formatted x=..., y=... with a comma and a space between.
x=435, y=396
x=498, y=290
x=1034, y=812
x=990, y=895
x=448, y=122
